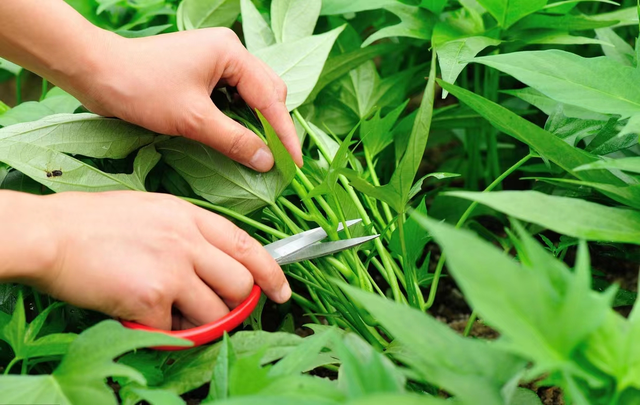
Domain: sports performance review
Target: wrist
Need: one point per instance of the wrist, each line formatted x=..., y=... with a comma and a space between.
x=28, y=245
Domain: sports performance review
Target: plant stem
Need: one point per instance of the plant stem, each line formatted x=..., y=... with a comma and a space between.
x=376, y=182
x=461, y=221
x=258, y=225
x=19, y=87
x=10, y=365
x=472, y=319
x=45, y=89
x=295, y=210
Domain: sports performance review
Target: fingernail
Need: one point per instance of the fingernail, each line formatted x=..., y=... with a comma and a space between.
x=262, y=160
x=285, y=293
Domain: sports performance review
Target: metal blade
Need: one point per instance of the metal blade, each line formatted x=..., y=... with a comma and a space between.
x=323, y=249
x=278, y=248
x=287, y=246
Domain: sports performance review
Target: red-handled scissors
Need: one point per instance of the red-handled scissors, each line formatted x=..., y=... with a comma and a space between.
x=303, y=246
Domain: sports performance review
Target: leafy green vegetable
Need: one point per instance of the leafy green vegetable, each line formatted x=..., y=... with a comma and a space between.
x=569, y=216
x=82, y=372
x=509, y=12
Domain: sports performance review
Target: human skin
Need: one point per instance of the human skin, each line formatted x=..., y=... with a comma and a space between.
x=136, y=255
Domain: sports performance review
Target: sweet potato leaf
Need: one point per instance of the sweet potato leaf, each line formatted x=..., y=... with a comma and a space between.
x=539, y=308
x=80, y=377
x=509, y=12
x=257, y=33
x=22, y=336
x=596, y=84
x=299, y=63
x=568, y=216
x=472, y=370
x=223, y=181
x=292, y=20
x=415, y=22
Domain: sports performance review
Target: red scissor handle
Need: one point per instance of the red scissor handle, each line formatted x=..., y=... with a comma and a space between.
x=210, y=331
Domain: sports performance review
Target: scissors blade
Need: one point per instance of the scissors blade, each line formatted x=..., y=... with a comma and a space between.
x=323, y=249
x=287, y=246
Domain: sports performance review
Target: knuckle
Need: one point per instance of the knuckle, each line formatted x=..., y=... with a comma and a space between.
x=244, y=285
x=152, y=296
x=227, y=35
x=239, y=143
x=281, y=89
x=191, y=123
x=244, y=243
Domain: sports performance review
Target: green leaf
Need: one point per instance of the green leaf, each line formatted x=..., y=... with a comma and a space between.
x=396, y=192
x=331, y=7
x=376, y=133
x=299, y=63
x=146, y=32
x=223, y=181
x=190, y=369
x=339, y=161
x=630, y=164
x=539, y=303
x=474, y=371
x=550, y=106
x=338, y=66
x=507, y=12
x=158, y=397
x=80, y=377
x=415, y=22
x=596, y=84
x=453, y=56
x=300, y=358
x=620, y=51
x=110, y=138
x=398, y=399
x=22, y=337
x=364, y=371
x=545, y=143
x=415, y=236
x=568, y=216
x=567, y=23
x=10, y=67
x=210, y=13
x=257, y=34
x=292, y=20
x=219, y=387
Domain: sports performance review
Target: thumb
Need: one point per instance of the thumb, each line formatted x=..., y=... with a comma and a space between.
x=210, y=126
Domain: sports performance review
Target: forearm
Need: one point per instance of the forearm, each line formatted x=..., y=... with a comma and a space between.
x=49, y=38
x=27, y=242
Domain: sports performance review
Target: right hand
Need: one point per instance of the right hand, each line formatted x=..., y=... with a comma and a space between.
x=136, y=255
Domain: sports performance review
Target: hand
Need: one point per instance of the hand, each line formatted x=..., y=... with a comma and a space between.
x=164, y=83
x=135, y=255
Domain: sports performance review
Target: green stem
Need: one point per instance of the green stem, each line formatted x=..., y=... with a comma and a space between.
x=295, y=210
x=37, y=300
x=470, y=323
x=45, y=89
x=10, y=365
x=19, y=87
x=461, y=221
x=258, y=225
x=376, y=182
x=391, y=277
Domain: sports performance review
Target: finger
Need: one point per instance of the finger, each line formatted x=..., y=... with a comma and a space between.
x=211, y=127
x=239, y=245
x=230, y=280
x=198, y=304
x=158, y=318
x=263, y=90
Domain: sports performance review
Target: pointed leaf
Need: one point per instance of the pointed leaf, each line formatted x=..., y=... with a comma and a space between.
x=257, y=33
x=292, y=20
x=568, y=216
x=507, y=12
x=299, y=63
x=572, y=79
